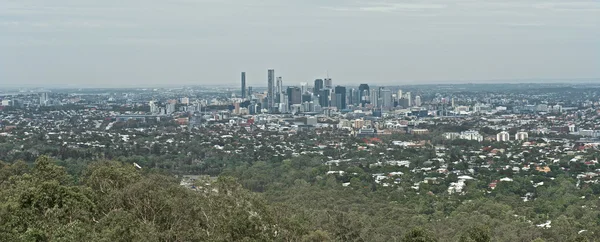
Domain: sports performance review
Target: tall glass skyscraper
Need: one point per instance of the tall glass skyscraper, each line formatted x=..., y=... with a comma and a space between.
x=270, y=89
x=243, y=84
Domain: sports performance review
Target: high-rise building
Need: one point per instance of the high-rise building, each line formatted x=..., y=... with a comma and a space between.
x=328, y=83
x=318, y=86
x=250, y=92
x=385, y=95
x=304, y=87
x=294, y=95
x=503, y=136
x=44, y=99
x=340, y=100
x=306, y=97
x=170, y=108
x=374, y=98
x=279, y=87
x=243, y=84
x=418, y=101
x=270, y=89
x=409, y=98
x=521, y=136
x=284, y=106
x=363, y=94
x=153, y=107
x=279, y=91
x=353, y=96
x=399, y=94
x=324, y=97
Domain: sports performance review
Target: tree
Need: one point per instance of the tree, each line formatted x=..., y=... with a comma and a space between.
x=418, y=235
x=476, y=234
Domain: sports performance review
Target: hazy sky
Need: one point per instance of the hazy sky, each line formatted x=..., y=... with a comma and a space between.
x=178, y=42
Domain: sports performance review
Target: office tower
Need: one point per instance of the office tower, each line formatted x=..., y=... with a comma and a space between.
x=318, y=86
x=279, y=87
x=270, y=89
x=249, y=92
x=252, y=107
x=399, y=94
x=374, y=97
x=363, y=93
x=324, y=97
x=328, y=83
x=284, y=105
x=355, y=97
x=409, y=98
x=44, y=99
x=306, y=97
x=243, y=84
x=403, y=102
x=340, y=93
x=279, y=91
x=351, y=96
x=294, y=95
x=418, y=101
x=264, y=104
x=304, y=87
x=386, y=98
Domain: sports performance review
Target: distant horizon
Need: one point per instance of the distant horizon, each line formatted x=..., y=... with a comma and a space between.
x=310, y=83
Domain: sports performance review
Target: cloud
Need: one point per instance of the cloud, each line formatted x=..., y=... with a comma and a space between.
x=389, y=7
x=569, y=6
x=523, y=24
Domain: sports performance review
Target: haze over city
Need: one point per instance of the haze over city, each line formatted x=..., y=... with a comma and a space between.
x=205, y=42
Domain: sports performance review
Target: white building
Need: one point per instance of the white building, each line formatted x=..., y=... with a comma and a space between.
x=170, y=108
x=521, y=136
x=44, y=99
x=153, y=107
x=418, y=101
x=471, y=135
x=503, y=136
x=451, y=135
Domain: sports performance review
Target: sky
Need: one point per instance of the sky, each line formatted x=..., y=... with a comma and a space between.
x=128, y=43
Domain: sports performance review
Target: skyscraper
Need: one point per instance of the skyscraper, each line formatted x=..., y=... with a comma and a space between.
x=324, y=97
x=363, y=93
x=340, y=93
x=374, y=97
x=243, y=84
x=328, y=83
x=386, y=98
x=409, y=98
x=294, y=95
x=279, y=90
x=306, y=97
x=43, y=99
x=270, y=89
x=318, y=86
x=279, y=86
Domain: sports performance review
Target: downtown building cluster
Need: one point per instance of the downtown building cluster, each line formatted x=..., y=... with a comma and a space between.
x=322, y=97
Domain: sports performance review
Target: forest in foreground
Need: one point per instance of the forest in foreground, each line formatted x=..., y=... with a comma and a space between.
x=284, y=201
